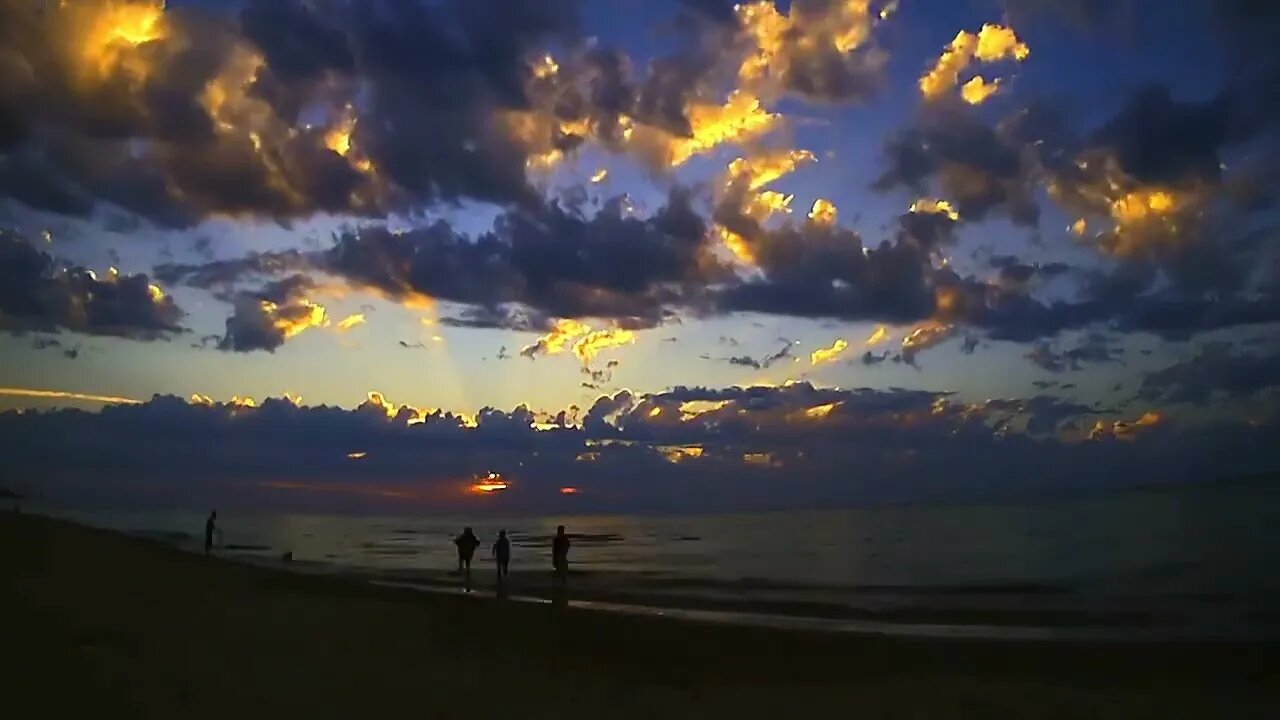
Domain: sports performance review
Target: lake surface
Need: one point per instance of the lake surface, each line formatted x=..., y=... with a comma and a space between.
x=1210, y=549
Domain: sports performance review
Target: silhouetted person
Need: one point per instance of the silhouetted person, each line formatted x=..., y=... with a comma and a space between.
x=560, y=555
x=502, y=555
x=467, y=543
x=210, y=527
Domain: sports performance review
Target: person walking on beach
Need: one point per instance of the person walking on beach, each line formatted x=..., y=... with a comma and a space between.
x=502, y=555
x=467, y=543
x=210, y=527
x=560, y=555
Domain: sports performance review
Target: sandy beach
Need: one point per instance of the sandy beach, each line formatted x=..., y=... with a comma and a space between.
x=103, y=624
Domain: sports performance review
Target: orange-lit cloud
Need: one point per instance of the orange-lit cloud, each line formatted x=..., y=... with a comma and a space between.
x=924, y=337
x=339, y=139
x=676, y=454
x=578, y=337
x=558, y=340
x=879, y=335
x=569, y=490
x=1125, y=430
x=784, y=44
x=351, y=321
x=935, y=207
x=356, y=455
x=823, y=213
x=992, y=43
x=293, y=319
x=1146, y=220
x=827, y=354
x=111, y=35
x=588, y=346
x=820, y=411
x=739, y=119
x=761, y=459
x=757, y=171
x=377, y=402
x=63, y=395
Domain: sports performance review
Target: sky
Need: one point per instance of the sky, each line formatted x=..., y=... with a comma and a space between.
x=634, y=255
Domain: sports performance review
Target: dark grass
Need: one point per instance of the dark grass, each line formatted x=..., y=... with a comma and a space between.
x=100, y=625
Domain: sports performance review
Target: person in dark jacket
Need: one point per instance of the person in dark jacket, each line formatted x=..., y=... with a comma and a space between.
x=210, y=527
x=560, y=555
x=502, y=555
x=467, y=543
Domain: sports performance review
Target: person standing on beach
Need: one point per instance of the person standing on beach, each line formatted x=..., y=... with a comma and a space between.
x=467, y=543
x=210, y=527
x=502, y=555
x=560, y=555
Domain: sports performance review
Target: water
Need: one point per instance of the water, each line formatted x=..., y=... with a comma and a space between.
x=1212, y=546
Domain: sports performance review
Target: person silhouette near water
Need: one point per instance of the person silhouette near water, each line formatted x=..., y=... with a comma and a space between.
x=467, y=543
x=210, y=527
x=502, y=555
x=560, y=555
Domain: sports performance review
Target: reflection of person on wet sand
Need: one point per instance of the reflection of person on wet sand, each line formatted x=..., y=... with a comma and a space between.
x=467, y=543
x=502, y=555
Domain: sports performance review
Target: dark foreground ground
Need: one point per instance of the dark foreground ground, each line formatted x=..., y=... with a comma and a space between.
x=95, y=624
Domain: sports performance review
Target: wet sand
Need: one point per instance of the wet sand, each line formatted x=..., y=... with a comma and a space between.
x=101, y=624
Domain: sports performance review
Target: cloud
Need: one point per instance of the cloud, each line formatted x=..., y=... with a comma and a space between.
x=869, y=358
x=1095, y=348
x=43, y=343
x=543, y=262
x=39, y=294
x=265, y=319
x=993, y=43
x=828, y=354
x=816, y=270
x=1214, y=372
x=820, y=49
x=907, y=445
x=90, y=117
x=765, y=362
x=952, y=153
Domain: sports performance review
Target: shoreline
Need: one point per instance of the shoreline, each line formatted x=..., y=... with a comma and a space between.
x=1003, y=612
x=942, y=613
x=103, y=622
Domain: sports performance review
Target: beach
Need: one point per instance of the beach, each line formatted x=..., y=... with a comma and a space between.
x=100, y=623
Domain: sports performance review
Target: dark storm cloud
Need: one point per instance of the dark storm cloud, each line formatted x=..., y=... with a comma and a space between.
x=815, y=270
x=1215, y=372
x=266, y=318
x=550, y=259
x=955, y=155
x=42, y=343
x=219, y=130
x=538, y=263
x=765, y=362
x=1158, y=140
x=221, y=276
x=1015, y=273
x=870, y=359
x=39, y=294
x=1094, y=348
x=703, y=449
